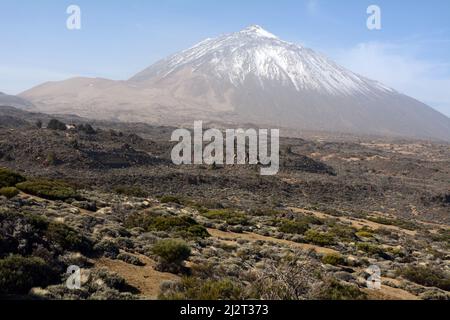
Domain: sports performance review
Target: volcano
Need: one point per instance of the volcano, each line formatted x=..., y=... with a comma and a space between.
x=250, y=76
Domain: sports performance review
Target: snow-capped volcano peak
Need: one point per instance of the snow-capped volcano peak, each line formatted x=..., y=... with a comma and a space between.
x=258, y=31
x=257, y=55
x=249, y=76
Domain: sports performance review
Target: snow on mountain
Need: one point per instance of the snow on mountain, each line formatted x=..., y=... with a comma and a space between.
x=250, y=76
x=255, y=51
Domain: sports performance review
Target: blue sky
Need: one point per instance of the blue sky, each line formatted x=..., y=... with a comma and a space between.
x=121, y=37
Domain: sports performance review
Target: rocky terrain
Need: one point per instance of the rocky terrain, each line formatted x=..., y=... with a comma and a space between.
x=105, y=196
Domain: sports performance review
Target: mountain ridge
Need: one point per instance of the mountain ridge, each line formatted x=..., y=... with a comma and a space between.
x=247, y=76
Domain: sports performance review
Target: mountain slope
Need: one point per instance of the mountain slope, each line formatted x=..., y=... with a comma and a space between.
x=248, y=76
x=14, y=101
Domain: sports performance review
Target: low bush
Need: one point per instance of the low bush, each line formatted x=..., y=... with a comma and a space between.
x=52, y=190
x=9, y=192
x=369, y=248
x=128, y=258
x=171, y=252
x=333, y=259
x=198, y=231
x=427, y=276
x=264, y=212
x=9, y=178
x=108, y=248
x=332, y=289
x=86, y=128
x=191, y=288
x=293, y=227
x=299, y=225
x=442, y=236
x=56, y=125
x=152, y=221
x=68, y=238
x=131, y=191
x=19, y=274
x=319, y=238
x=171, y=199
x=229, y=216
x=343, y=232
x=364, y=234
x=408, y=225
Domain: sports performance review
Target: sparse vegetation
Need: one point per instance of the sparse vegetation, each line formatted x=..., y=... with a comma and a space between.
x=369, y=248
x=133, y=191
x=48, y=189
x=190, y=288
x=333, y=259
x=299, y=225
x=427, y=276
x=56, y=125
x=68, y=238
x=182, y=225
x=102, y=217
x=9, y=192
x=229, y=216
x=9, y=178
x=332, y=289
x=19, y=274
x=319, y=238
x=171, y=253
x=343, y=232
x=171, y=199
x=408, y=225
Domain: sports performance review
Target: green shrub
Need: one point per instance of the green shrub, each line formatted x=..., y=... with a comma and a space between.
x=86, y=128
x=404, y=224
x=9, y=192
x=319, y=238
x=164, y=223
x=297, y=226
x=152, y=221
x=332, y=289
x=52, y=190
x=442, y=236
x=333, y=259
x=56, y=125
x=128, y=258
x=260, y=212
x=131, y=191
x=171, y=199
x=172, y=251
x=343, y=232
x=198, y=289
x=52, y=159
x=9, y=178
x=229, y=216
x=198, y=231
x=67, y=238
x=427, y=276
x=369, y=248
x=364, y=234
x=19, y=274
x=293, y=227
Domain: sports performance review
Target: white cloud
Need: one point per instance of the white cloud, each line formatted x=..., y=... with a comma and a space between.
x=398, y=66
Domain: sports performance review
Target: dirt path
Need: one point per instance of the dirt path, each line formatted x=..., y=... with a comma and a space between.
x=389, y=293
x=231, y=236
x=356, y=223
x=144, y=278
